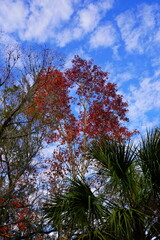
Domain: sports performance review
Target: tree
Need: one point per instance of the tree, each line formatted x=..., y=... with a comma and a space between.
x=101, y=111
x=20, y=142
x=77, y=212
x=124, y=201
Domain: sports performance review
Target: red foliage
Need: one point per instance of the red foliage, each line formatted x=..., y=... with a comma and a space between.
x=4, y=230
x=21, y=216
x=52, y=105
x=102, y=111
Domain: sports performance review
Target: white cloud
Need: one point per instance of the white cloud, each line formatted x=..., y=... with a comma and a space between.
x=104, y=36
x=62, y=20
x=80, y=52
x=37, y=19
x=146, y=13
x=123, y=77
x=45, y=17
x=67, y=35
x=48, y=150
x=7, y=40
x=64, y=37
x=12, y=15
x=157, y=36
x=126, y=22
x=140, y=89
x=155, y=60
x=157, y=73
x=143, y=100
x=89, y=18
x=139, y=28
x=106, y=5
x=85, y=21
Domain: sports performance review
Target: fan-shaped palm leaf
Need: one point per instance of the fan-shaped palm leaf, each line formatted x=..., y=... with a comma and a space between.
x=116, y=163
x=126, y=223
x=77, y=209
x=150, y=158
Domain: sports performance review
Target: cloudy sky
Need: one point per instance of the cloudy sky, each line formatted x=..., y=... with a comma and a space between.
x=121, y=36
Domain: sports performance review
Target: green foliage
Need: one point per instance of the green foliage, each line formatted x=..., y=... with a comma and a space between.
x=78, y=207
x=149, y=155
x=20, y=142
x=123, y=203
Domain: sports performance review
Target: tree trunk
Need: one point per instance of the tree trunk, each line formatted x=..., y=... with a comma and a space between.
x=139, y=231
x=60, y=231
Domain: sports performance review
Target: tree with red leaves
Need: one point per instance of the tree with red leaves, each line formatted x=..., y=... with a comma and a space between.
x=101, y=113
x=20, y=143
x=102, y=110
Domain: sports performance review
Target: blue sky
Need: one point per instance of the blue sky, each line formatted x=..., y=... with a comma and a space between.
x=121, y=36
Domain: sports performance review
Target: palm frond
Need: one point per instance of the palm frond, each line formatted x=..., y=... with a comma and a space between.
x=77, y=208
x=85, y=207
x=124, y=221
x=114, y=156
x=116, y=162
x=96, y=234
x=149, y=157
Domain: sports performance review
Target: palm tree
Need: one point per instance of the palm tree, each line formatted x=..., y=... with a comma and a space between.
x=131, y=177
x=125, y=206
x=79, y=212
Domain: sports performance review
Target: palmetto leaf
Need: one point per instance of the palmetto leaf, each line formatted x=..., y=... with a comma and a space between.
x=78, y=207
x=115, y=161
x=83, y=202
x=127, y=203
x=124, y=220
x=149, y=155
x=96, y=234
x=54, y=210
